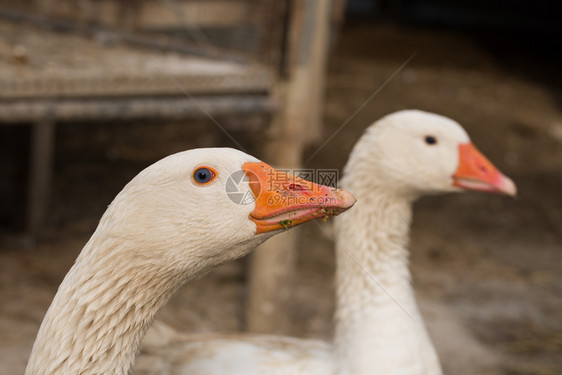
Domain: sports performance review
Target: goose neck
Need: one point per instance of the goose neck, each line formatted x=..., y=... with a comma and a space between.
x=101, y=312
x=376, y=232
x=379, y=329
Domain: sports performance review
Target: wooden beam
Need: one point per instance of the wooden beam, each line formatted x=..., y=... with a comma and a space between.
x=131, y=108
x=296, y=124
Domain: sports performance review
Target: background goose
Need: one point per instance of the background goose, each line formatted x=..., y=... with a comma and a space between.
x=379, y=329
x=404, y=156
x=171, y=223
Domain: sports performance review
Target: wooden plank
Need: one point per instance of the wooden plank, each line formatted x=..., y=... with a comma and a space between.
x=148, y=13
x=169, y=14
x=151, y=83
x=140, y=108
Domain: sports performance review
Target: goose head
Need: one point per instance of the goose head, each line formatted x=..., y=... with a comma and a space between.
x=174, y=221
x=415, y=153
x=209, y=206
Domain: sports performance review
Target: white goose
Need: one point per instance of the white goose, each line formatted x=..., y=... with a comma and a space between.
x=379, y=329
x=173, y=222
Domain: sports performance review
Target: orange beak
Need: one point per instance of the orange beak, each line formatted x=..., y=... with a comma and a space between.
x=475, y=172
x=284, y=201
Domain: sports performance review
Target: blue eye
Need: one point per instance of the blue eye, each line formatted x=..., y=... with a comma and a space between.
x=204, y=175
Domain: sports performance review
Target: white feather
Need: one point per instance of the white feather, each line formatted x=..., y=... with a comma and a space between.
x=160, y=231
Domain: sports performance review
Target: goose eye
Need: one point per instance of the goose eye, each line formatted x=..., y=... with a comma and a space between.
x=204, y=175
x=430, y=140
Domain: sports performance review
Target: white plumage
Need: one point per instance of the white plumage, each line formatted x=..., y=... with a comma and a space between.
x=173, y=222
x=379, y=329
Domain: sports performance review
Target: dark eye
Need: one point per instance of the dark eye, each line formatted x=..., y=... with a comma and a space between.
x=430, y=140
x=204, y=175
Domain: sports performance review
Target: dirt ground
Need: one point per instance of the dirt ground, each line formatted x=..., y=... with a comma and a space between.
x=487, y=269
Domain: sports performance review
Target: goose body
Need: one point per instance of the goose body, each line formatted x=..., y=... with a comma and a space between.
x=379, y=329
x=173, y=222
x=205, y=354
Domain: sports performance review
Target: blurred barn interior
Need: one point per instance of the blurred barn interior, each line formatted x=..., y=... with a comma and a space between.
x=91, y=92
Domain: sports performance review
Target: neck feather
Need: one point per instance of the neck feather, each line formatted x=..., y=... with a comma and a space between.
x=378, y=325
x=102, y=310
x=372, y=255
